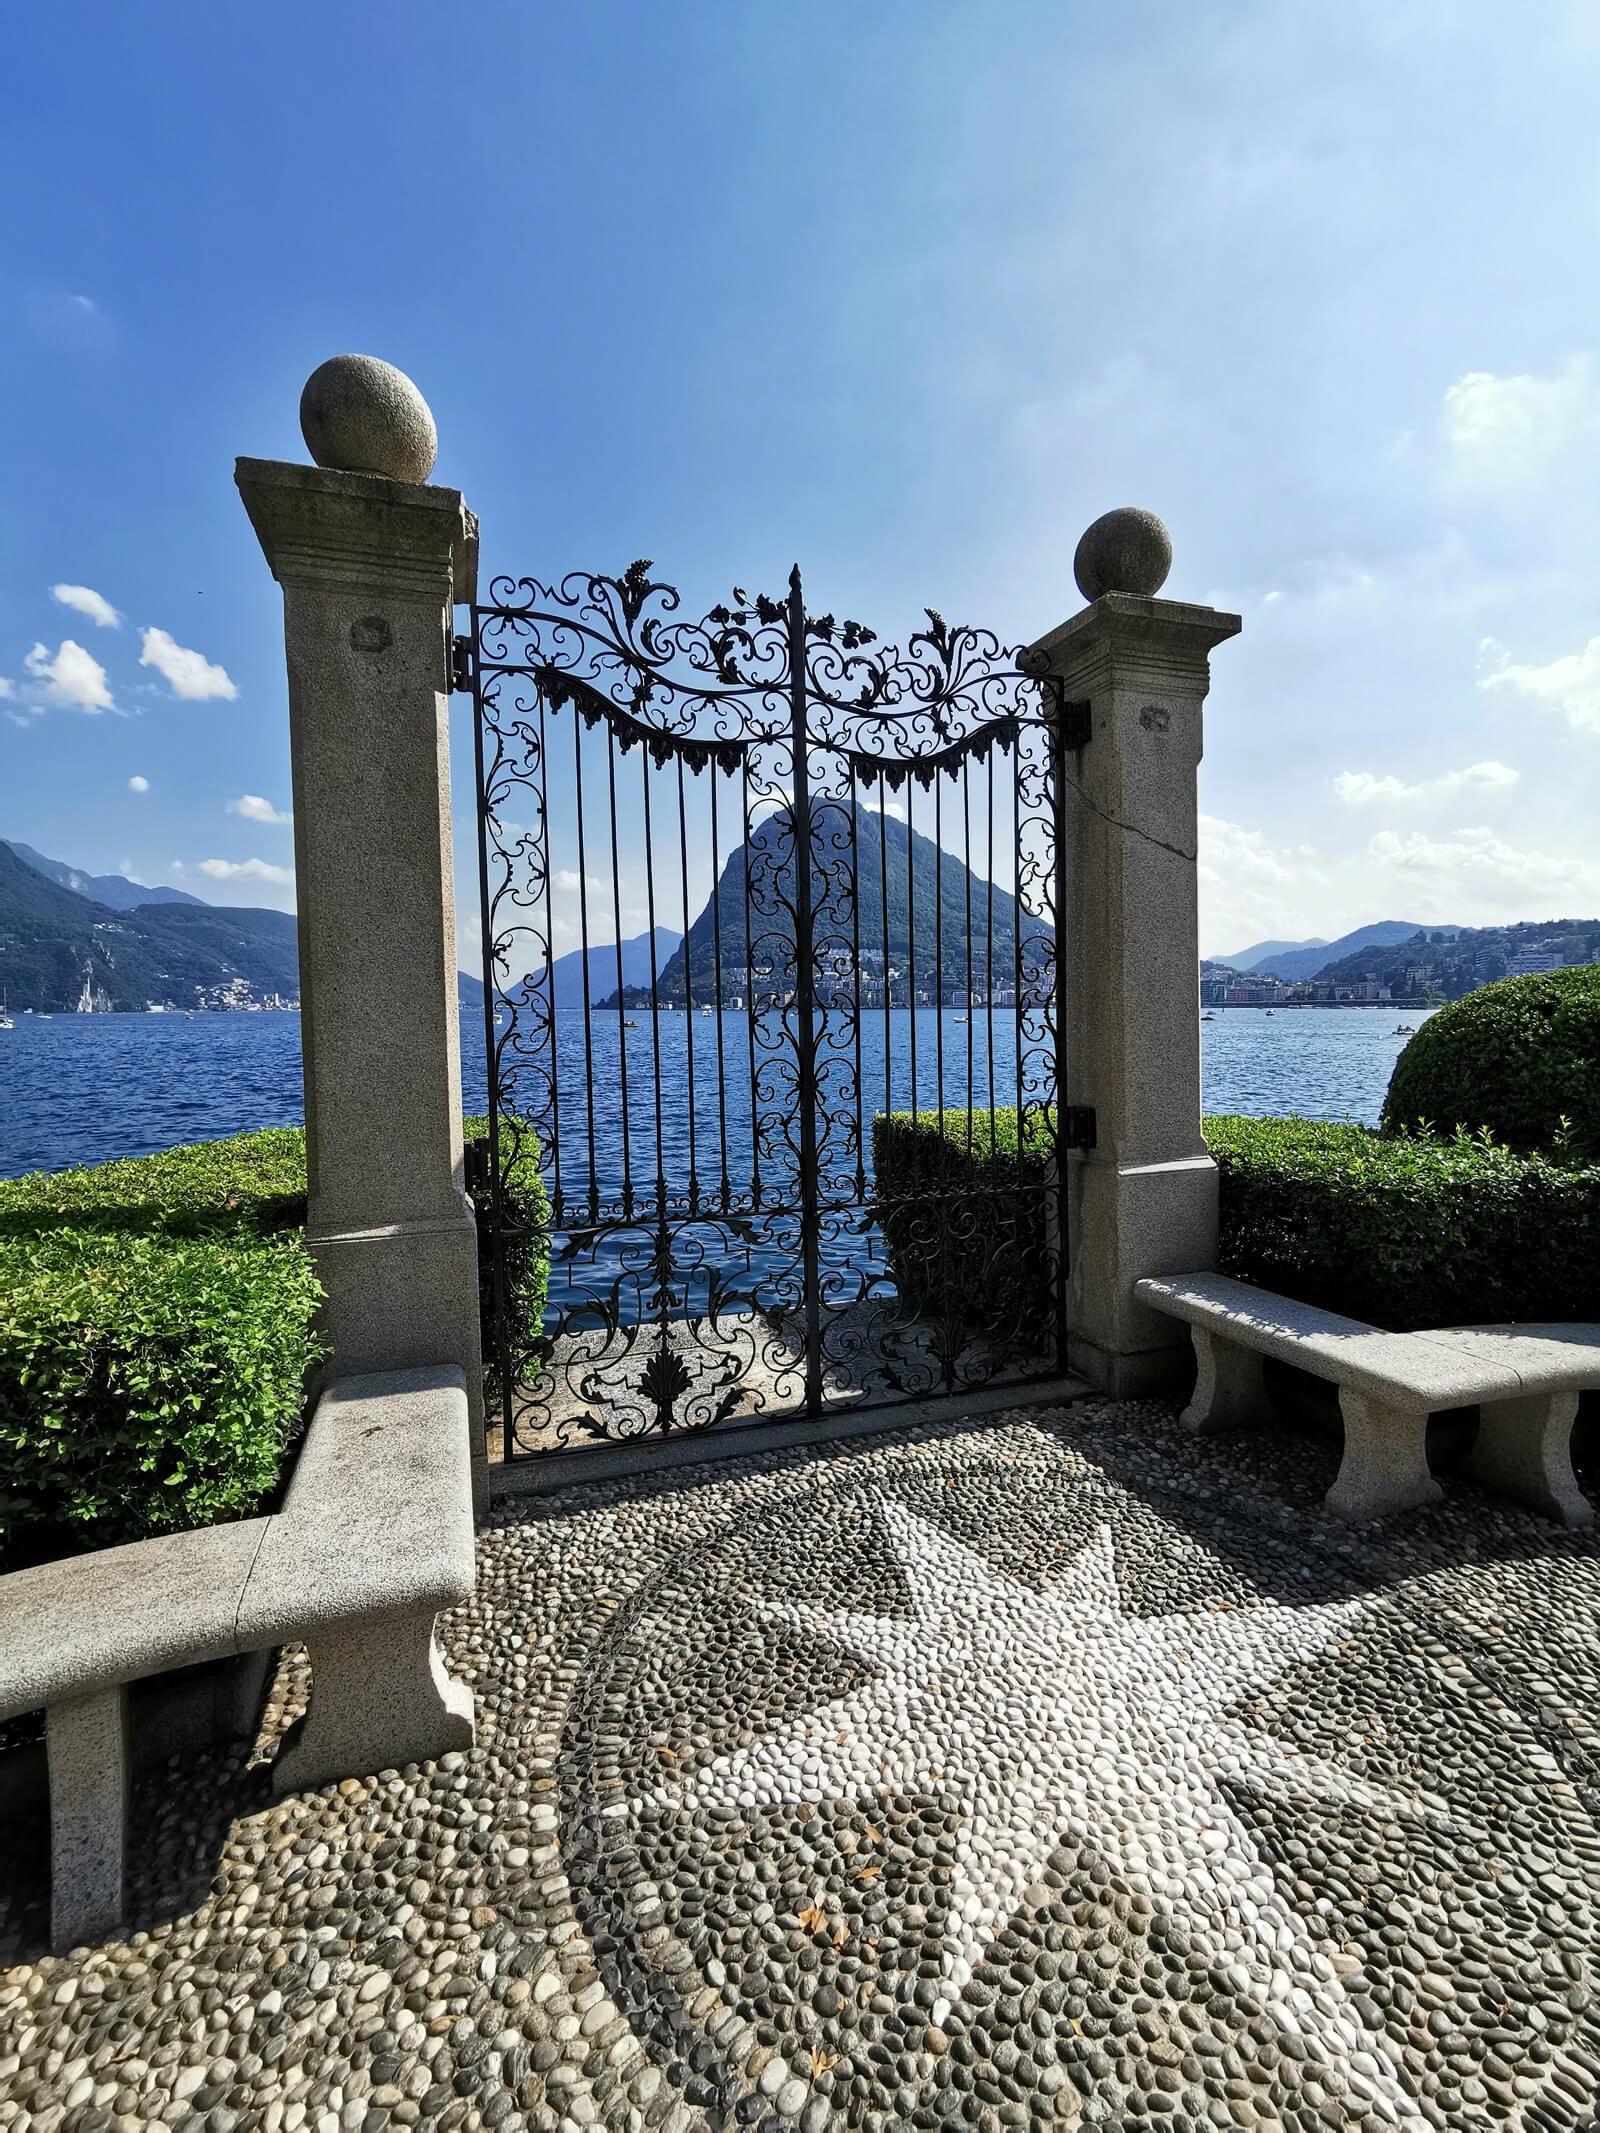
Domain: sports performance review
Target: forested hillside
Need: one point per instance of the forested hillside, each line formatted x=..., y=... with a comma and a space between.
x=1432, y=963
x=949, y=931
x=60, y=950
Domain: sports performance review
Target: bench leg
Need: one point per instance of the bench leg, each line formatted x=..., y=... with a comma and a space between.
x=86, y=1744
x=1229, y=1389
x=380, y=1697
x=1524, y=1449
x=1385, y=1466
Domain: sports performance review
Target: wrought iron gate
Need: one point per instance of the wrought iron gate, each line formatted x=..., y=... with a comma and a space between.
x=806, y=1155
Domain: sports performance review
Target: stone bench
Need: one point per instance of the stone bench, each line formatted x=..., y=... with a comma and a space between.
x=1524, y=1381
x=375, y=1537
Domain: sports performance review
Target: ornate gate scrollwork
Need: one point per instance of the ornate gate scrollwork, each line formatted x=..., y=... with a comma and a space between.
x=754, y=888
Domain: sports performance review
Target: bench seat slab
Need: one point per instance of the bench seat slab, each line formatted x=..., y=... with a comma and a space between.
x=86, y=1743
x=1524, y=1449
x=1385, y=1465
x=380, y=1698
x=1230, y=1391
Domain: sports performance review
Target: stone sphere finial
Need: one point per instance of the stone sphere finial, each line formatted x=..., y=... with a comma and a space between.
x=1127, y=551
x=365, y=417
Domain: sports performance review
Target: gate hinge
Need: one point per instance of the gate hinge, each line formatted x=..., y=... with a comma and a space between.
x=1077, y=1126
x=1077, y=727
x=476, y=1166
x=460, y=664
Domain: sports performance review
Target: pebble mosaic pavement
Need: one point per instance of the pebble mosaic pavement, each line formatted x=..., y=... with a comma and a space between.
x=1057, y=1771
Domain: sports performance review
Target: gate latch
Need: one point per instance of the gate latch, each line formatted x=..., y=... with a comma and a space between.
x=1077, y=1126
x=460, y=664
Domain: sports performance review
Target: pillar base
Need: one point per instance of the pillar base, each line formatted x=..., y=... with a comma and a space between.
x=1129, y=1220
x=404, y=1297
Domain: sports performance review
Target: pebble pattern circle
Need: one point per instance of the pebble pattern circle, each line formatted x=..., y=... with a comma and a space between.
x=1058, y=1771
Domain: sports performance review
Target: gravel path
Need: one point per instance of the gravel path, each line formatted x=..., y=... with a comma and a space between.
x=1051, y=1772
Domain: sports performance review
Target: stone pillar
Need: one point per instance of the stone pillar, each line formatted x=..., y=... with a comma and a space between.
x=371, y=562
x=1143, y=1200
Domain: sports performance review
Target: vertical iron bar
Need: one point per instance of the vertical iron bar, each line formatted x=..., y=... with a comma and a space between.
x=938, y=945
x=491, y=1060
x=1016, y=931
x=557, y=1199
x=883, y=892
x=911, y=936
x=583, y=941
x=855, y=983
x=663, y=1251
x=622, y=1009
x=688, y=990
x=1058, y=782
x=966, y=863
x=988, y=952
x=750, y=998
x=805, y=1030
x=716, y=951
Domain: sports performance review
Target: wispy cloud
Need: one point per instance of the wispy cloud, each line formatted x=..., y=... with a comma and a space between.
x=189, y=674
x=1472, y=858
x=1360, y=788
x=1513, y=430
x=69, y=677
x=88, y=602
x=255, y=809
x=246, y=870
x=1570, y=684
x=1251, y=888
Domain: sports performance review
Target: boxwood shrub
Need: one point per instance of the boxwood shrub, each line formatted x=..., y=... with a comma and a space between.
x=158, y=1325
x=149, y=1382
x=1403, y=1231
x=1519, y=1059
x=1398, y=1230
x=525, y=1251
x=157, y=1321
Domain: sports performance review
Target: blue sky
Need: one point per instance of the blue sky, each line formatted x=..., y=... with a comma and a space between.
x=911, y=292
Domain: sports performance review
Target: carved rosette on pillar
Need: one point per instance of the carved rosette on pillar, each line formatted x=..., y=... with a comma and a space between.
x=1143, y=1199
x=372, y=561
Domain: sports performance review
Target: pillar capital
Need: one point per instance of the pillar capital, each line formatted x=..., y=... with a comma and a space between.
x=1123, y=633
x=321, y=524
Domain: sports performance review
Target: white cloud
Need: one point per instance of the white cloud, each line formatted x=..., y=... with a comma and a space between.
x=138, y=785
x=567, y=881
x=71, y=677
x=247, y=870
x=7, y=688
x=1357, y=788
x=1570, y=684
x=1476, y=860
x=1251, y=889
x=87, y=602
x=1512, y=430
x=190, y=674
x=256, y=809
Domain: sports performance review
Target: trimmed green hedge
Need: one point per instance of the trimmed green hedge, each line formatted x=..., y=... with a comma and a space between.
x=148, y=1383
x=1406, y=1232
x=962, y=1216
x=1519, y=1059
x=157, y=1328
x=157, y=1320
x=525, y=1252
x=1399, y=1231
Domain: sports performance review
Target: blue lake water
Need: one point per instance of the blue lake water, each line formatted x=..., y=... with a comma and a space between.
x=85, y=1088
